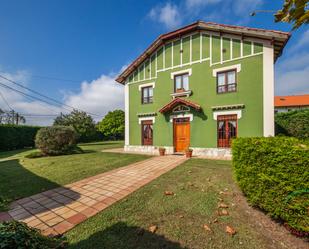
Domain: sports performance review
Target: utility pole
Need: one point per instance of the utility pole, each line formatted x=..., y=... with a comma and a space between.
x=17, y=118
x=13, y=116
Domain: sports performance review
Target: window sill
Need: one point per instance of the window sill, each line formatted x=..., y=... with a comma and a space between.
x=181, y=94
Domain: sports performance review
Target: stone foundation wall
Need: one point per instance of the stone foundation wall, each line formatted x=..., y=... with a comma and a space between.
x=222, y=153
x=153, y=150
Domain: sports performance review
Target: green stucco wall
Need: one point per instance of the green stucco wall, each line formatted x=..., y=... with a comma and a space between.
x=203, y=85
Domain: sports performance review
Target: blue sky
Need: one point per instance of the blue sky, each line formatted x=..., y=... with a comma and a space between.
x=89, y=42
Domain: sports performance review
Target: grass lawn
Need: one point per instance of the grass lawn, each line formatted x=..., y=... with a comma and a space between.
x=21, y=177
x=199, y=186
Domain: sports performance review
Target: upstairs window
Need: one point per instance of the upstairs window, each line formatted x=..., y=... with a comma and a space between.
x=147, y=95
x=181, y=83
x=226, y=81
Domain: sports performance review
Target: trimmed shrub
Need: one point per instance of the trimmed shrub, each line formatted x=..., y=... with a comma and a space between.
x=294, y=123
x=18, y=235
x=17, y=136
x=56, y=140
x=273, y=173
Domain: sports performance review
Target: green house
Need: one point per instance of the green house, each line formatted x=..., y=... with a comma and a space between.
x=201, y=86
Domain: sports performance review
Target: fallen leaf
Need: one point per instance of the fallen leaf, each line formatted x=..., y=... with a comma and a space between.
x=230, y=230
x=207, y=228
x=168, y=193
x=153, y=229
x=181, y=216
x=223, y=205
x=215, y=220
x=223, y=212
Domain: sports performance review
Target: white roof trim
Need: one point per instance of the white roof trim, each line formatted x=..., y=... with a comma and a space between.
x=217, y=70
x=153, y=119
x=189, y=71
x=181, y=116
x=146, y=85
x=231, y=112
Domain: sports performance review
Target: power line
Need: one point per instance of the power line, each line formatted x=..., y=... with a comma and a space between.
x=5, y=101
x=54, y=78
x=42, y=95
x=33, y=97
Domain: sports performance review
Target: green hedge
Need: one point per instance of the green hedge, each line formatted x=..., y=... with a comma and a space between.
x=16, y=234
x=17, y=136
x=273, y=173
x=293, y=123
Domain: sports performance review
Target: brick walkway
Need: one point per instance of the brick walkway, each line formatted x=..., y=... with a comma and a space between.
x=58, y=210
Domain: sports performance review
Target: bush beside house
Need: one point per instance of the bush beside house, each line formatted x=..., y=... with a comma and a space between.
x=56, y=140
x=273, y=174
x=294, y=123
x=17, y=136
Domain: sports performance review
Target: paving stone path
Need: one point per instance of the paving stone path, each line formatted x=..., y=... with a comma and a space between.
x=58, y=210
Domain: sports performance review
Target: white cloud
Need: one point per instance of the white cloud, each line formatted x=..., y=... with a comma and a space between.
x=168, y=15
x=199, y=3
x=292, y=73
x=22, y=104
x=302, y=42
x=223, y=11
x=293, y=82
x=98, y=96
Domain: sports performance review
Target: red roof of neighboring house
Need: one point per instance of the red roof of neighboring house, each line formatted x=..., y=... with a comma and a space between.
x=294, y=100
x=178, y=101
x=278, y=38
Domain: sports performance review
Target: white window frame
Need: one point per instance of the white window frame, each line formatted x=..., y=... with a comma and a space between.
x=236, y=67
x=146, y=85
x=153, y=119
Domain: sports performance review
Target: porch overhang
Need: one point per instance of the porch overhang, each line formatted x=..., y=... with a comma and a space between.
x=179, y=101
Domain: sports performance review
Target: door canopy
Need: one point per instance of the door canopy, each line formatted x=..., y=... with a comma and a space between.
x=178, y=101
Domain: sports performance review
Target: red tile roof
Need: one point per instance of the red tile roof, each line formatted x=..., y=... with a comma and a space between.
x=294, y=100
x=178, y=101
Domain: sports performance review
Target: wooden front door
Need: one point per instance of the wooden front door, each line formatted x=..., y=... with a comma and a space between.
x=147, y=132
x=226, y=129
x=181, y=134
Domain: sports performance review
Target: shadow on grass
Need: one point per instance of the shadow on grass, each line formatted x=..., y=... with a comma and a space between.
x=10, y=153
x=122, y=236
x=101, y=143
x=16, y=182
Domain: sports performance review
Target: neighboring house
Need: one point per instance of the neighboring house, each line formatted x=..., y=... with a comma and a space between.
x=201, y=86
x=291, y=103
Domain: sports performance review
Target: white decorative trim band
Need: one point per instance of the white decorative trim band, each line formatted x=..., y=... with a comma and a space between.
x=189, y=71
x=126, y=113
x=219, y=113
x=153, y=119
x=221, y=69
x=146, y=85
x=182, y=115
